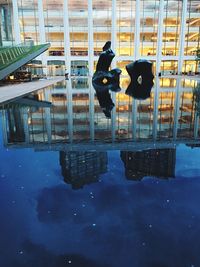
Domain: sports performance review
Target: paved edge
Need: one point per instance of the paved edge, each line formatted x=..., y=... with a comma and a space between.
x=10, y=92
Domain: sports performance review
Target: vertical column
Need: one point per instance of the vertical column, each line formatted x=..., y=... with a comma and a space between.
x=42, y=33
x=196, y=125
x=134, y=118
x=90, y=39
x=91, y=109
x=182, y=36
x=136, y=56
x=69, y=109
x=16, y=22
x=91, y=67
x=26, y=126
x=41, y=22
x=159, y=37
x=114, y=41
x=137, y=31
x=47, y=113
x=155, y=108
x=176, y=109
x=4, y=127
x=114, y=30
x=66, y=37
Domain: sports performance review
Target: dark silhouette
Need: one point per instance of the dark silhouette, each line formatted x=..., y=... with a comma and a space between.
x=151, y=162
x=104, y=80
x=80, y=168
x=141, y=75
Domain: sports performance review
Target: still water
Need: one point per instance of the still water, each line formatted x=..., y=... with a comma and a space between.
x=81, y=190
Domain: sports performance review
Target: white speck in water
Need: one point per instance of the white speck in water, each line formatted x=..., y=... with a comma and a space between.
x=91, y=193
x=150, y=225
x=75, y=214
x=92, y=196
x=69, y=262
x=167, y=200
x=22, y=187
x=20, y=166
x=94, y=224
x=83, y=205
x=144, y=244
x=21, y=252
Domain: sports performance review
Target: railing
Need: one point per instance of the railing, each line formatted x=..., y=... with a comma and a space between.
x=11, y=54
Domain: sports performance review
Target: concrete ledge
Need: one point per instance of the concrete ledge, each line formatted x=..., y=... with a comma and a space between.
x=10, y=92
x=100, y=146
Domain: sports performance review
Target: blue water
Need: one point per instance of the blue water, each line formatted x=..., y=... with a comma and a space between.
x=114, y=222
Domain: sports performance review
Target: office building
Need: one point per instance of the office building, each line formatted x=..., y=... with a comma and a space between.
x=166, y=32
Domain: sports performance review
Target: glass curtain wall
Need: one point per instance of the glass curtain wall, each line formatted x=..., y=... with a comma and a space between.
x=78, y=25
x=192, y=36
x=6, y=36
x=54, y=28
x=144, y=122
x=192, y=33
x=102, y=125
x=101, y=24
x=102, y=29
x=169, y=67
x=125, y=27
x=29, y=20
x=186, y=115
x=81, y=121
x=148, y=27
x=123, y=116
x=171, y=31
x=166, y=114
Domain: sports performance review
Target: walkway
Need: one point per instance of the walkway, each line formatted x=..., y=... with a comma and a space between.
x=9, y=92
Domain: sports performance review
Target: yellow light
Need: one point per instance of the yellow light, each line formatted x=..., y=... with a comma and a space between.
x=105, y=81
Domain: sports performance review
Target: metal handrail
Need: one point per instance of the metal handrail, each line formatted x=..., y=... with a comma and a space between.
x=6, y=48
x=13, y=52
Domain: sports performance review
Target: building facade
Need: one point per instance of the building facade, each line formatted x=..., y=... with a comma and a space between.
x=166, y=32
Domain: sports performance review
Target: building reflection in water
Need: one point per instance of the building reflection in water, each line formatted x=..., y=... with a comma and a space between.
x=81, y=168
x=15, y=125
x=70, y=116
x=76, y=117
x=153, y=162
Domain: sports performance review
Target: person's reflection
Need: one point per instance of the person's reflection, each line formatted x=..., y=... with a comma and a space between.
x=81, y=168
x=104, y=80
x=152, y=162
